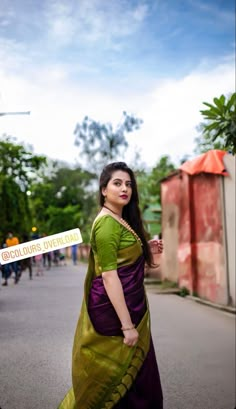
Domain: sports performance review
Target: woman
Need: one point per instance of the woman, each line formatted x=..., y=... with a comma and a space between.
x=114, y=364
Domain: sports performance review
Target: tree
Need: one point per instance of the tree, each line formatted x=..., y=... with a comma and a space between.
x=18, y=162
x=219, y=130
x=100, y=143
x=64, y=200
x=163, y=168
x=62, y=219
x=18, y=169
x=15, y=214
x=149, y=182
x=149, y=187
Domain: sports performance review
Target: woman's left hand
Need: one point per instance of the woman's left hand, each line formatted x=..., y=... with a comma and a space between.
x=156, y=246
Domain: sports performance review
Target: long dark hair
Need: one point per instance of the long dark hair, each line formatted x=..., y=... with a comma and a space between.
x=131, y=212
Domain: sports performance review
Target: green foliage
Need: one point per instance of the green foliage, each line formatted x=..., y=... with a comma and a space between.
x=219, y=130
x=184, y=291
x=163, y=168
x=63, y=201
x=15, y=215
x=18, y=170
x=149, y=188
x=149, y=182
x=19, y=162
x=100, y=143
x=142, y=183
x=62, y=219
x=204, y=141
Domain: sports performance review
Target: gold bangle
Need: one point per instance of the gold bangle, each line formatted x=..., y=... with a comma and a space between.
x=128, y=328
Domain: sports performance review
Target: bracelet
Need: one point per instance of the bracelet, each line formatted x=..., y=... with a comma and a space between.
x=128, y=328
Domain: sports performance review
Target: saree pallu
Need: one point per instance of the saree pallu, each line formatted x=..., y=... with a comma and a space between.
x=106, y=373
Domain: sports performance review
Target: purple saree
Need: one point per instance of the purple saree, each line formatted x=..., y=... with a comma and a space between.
x=146, y=391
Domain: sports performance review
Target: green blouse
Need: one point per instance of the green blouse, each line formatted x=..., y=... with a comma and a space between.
x=109, y=241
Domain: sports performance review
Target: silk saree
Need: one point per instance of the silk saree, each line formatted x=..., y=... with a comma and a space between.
x=106, y=373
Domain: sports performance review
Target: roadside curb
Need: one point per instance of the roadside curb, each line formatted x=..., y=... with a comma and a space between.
x=154, y=285
x=152, y=288
x=167, y=291
x=226, y=308
x=155, y=290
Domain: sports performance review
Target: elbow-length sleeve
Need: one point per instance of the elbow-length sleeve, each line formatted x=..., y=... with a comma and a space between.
x=107, y=232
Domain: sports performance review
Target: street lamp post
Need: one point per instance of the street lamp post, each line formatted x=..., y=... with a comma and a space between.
x=15, y=113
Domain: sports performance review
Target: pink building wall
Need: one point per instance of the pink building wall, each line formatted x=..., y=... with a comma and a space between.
x=209, y=270
x=199, y=264
x=170, y=193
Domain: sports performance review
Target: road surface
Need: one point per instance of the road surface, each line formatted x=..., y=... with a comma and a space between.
x=195, y=344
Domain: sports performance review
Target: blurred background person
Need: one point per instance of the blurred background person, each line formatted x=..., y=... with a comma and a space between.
x=74, y=253
x=5, y=269
x=39, y=264
x=14, y=265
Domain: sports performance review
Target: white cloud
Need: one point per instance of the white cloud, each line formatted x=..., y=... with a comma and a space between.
x=56, y=106
x=141, y=12
x=13, y=55
x=170, y=110
x=93, y=21
x=215, y=13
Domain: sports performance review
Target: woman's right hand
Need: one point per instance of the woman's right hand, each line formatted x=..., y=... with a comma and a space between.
x=156, y=246
x=131, y=337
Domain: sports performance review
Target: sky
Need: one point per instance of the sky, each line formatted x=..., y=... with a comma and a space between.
x=159, y=60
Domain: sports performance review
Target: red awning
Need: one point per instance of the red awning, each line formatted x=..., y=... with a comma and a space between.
x=209, y=162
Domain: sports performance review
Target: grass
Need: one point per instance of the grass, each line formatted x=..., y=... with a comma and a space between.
x=168, y=284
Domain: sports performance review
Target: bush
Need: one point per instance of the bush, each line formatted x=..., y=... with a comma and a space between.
x=184, y=292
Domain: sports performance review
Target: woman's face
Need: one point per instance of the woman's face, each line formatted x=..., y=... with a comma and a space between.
x=118, y=191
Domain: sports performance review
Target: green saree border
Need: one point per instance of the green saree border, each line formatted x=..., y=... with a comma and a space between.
x=103, y=367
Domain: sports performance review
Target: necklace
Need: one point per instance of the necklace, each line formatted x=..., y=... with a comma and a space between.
x=125, y=224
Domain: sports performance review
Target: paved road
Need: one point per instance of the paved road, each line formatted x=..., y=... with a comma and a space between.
x=195, y=344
